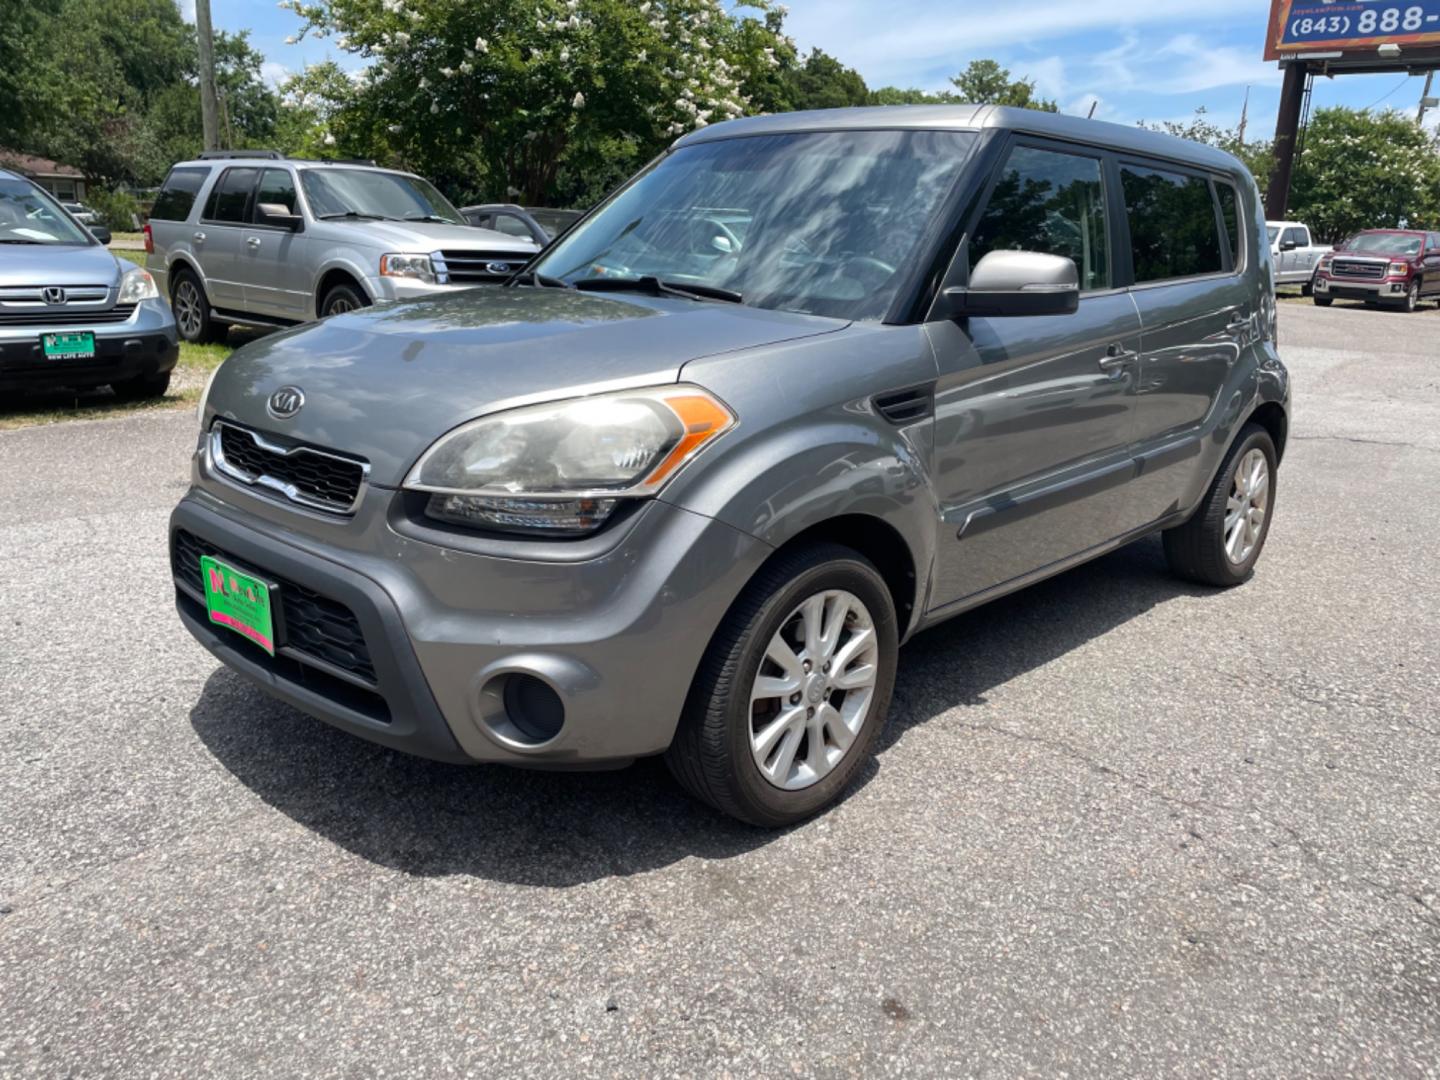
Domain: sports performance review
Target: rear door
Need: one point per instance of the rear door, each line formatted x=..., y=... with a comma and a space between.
x=1188, y=249
x=220, y=236
x=1034, y=416
x=1431, y=284
x=274, y=272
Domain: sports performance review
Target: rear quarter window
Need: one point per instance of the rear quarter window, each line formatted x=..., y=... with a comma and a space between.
x=1230, y=214
x=177, y=194
x=1174, y=230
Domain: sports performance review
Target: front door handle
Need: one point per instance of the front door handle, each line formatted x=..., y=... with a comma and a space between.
x=1116, y=356
x=253, y=241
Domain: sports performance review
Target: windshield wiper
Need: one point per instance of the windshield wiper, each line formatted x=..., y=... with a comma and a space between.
x=352, y=214
x=530, y=277
x=428, y=217
x=7, y=240
x=655, y=287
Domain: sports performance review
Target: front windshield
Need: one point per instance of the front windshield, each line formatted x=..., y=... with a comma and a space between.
x=826, y=223
x=1385, y=243
x=368, y=193
x=29, y=216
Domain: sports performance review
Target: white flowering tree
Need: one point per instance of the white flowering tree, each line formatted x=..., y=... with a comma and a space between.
x=534, y=101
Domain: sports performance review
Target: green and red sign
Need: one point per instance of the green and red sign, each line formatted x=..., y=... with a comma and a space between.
x=238, y=601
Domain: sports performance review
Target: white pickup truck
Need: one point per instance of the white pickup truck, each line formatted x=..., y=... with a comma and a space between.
x=1296, y=255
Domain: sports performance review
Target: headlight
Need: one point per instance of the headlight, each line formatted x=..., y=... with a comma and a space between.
x=137, y=285
x=1325, y=261
x=409, y=266
x=564, y=466
x=1399, y=269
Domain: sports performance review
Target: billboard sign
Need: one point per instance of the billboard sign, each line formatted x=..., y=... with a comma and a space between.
x=1299, y=26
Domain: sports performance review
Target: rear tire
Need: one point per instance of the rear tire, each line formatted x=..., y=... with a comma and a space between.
x=726, y=752
x=142, y=387
x=1222, y=541
x=191, y=308
x=342, y=298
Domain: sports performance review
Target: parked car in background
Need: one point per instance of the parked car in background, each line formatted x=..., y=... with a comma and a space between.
x=82, y=213
x=1395, y=267
x=255, y=238
x=1295, y=254
x=686, y=484
x=71, y=313
x=535, y=223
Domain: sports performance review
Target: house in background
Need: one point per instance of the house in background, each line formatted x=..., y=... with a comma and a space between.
x=62, y=181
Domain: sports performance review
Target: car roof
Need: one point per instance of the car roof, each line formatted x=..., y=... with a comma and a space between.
x=270, y=163
x=1120, y=137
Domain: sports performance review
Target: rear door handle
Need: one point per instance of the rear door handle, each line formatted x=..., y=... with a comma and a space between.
x=1238, y=322
x=198, y=237
x=1116, y=356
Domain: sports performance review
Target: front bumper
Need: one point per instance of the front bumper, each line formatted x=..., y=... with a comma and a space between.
x=617, y=633
x=145, y=344
x=399, y=288
x=1388, y=289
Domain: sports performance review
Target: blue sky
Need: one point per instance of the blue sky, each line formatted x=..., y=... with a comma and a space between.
x=1140, y=59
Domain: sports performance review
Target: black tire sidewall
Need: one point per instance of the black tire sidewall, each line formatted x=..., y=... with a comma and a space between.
x=357, y=298
x=1322, y=301
x=206, y=329
x=762, y=801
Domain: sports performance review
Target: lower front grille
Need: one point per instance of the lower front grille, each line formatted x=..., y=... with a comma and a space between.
x=316, y=627
x=63, y=319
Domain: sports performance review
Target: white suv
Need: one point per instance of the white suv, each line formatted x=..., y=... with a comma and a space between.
x=255, y=238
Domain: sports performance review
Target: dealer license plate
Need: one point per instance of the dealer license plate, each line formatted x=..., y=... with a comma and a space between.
x=239, y=601
x=75, y=345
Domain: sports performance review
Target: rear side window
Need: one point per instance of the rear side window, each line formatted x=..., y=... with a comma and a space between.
x=276, y=186
x=1052, y=203
x=511, y=225
x=177, y=194
x=1230, y=214
x=230, y=200
x=1174, y=230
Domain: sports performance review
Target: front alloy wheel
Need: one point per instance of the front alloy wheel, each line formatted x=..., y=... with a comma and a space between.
x=1412, y=296
x=793, y=690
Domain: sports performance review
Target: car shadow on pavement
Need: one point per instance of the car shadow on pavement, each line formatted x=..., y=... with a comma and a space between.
x=563, y=829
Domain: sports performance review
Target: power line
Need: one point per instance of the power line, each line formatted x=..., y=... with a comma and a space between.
x=1377, y=101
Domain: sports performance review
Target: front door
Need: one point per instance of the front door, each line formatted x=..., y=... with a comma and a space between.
x=275, y=273
x=1034, y=415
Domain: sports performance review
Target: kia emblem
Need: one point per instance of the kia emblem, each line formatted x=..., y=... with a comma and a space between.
x=285, y=402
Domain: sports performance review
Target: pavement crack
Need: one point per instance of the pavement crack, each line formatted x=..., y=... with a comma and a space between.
x=1364, y=442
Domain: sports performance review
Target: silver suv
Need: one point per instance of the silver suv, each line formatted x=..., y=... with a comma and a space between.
x=254, y=238
x=71, y=313
x=806, y=386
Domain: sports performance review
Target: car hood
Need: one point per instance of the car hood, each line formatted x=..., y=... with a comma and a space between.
x=385, y=382
x=433, y=236
x=56, y=264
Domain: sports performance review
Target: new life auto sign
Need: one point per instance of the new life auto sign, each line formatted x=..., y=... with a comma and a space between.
x=1332, y=25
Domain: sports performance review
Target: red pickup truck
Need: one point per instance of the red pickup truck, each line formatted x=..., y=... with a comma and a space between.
x=1397, y=267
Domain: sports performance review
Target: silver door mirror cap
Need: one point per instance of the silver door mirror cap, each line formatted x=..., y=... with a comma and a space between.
x=1017, y=283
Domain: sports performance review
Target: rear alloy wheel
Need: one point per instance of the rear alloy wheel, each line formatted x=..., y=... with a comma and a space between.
x=191, y=308
x=1222, y=541
x=793, y=691
x=342, y=298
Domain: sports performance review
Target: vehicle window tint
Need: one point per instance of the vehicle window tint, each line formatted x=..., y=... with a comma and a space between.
x=1230, y=212
x=1302, y=236
x=1173, y=230
x=276, y=186
x=1294, y=236
x=510, y=225
x=230, y=200
x=177, y=194
x=1051, y=203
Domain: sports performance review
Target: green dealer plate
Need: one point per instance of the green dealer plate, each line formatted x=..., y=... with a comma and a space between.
x=79, y=345
x=238, y=601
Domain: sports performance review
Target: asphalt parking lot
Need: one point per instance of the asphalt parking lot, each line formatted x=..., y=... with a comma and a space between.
x=1119, y=825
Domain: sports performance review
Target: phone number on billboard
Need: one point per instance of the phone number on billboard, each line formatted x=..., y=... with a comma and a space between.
x=1399, y=18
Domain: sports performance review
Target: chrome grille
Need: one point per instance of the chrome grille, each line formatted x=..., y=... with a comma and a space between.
x=304, y=475
x=1353, y=268
x=478, y=267
x=65, y=316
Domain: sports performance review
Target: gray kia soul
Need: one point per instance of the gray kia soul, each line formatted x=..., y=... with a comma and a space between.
x=804, y=387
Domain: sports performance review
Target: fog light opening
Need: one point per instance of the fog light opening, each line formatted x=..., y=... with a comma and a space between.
x=532, y=711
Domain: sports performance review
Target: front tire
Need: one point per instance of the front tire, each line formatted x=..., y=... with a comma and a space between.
x=1222, y=541
x=1323, y=301
x=142, y=387
x=1412, y=297
x=793, y=690
x=342, y=298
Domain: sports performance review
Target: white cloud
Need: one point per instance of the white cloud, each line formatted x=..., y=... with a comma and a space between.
x=274, y=72
x=187, y=10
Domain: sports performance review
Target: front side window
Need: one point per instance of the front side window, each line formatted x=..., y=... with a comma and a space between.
x=369, y=193
x=29, y=215
x=230, y=200
x=178, y=194
x=826, y=223
x=277, y=188
x=1173, y=229
x=1052, y=203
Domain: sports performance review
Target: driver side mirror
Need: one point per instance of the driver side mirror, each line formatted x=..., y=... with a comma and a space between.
x=1010, y=283
x=278, y=215
x=101, y=233
x=1288, y=245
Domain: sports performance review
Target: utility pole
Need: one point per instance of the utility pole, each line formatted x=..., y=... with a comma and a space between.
x=1244, y=118
x=1425, y=97
x=209, y=109
x=1287, y=127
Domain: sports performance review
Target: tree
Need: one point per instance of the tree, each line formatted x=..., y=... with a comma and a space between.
x=894, y=95
x=538, y=100
x=822, y=82
x=985, y=82
x=1258, y=155
x=1364, y=170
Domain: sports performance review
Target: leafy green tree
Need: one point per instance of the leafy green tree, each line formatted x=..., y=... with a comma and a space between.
x=1364, y=170
x=894, y=95
x=1257, y=155
x=537, y=100
x=985, y=82
x=822, y=82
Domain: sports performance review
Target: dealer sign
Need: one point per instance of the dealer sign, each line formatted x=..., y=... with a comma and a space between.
x=1341, y=25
